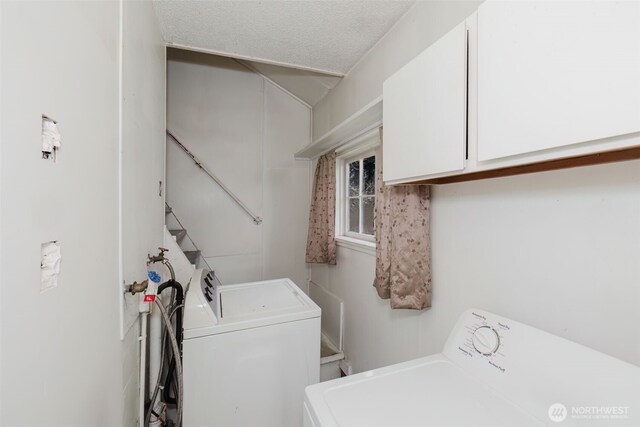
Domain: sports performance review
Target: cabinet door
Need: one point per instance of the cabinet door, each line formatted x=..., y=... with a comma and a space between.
x=556, y=73
x=424, y=112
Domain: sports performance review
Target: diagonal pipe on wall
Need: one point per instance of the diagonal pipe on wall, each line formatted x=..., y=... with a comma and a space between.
x=256, y=219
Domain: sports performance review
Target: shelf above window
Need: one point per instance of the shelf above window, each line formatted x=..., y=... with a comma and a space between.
x=361, y=122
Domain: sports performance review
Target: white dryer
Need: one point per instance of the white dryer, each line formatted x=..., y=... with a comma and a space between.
x=249, y=351
x=493, y=372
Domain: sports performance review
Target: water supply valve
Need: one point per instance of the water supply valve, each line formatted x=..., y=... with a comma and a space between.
x=157, y=258
x=143, y=286
x=138, y=287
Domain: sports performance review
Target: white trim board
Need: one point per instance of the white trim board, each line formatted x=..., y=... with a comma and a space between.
x=361, y=122
x=254, y=59
x=358, y=245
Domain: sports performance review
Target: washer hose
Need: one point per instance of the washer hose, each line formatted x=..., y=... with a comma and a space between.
x=166, y=395
x=156, y=389
x=178, y=362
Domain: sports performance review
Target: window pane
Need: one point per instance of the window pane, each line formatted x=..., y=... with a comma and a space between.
x=354, y=215
x=354, y=178
x=368, y=204
x=369, y=175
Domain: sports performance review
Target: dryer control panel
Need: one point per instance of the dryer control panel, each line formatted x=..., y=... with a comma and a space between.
x=536, y=369
x=483, y=338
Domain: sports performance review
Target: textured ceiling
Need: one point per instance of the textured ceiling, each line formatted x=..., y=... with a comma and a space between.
x=320, y=35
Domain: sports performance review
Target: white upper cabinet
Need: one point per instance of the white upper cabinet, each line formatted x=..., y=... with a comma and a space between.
x=553, y=74
x=424, y=112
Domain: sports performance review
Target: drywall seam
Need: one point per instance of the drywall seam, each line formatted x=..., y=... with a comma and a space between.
x=120, y=166
x=263, y=117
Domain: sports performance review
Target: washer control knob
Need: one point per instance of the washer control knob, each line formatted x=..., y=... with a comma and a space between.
x=486, y=340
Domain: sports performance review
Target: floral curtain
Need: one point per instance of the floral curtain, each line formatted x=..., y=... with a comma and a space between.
x=403, y=246
x=321, y=244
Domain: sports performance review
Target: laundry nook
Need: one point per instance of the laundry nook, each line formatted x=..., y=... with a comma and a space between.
x=319, y=213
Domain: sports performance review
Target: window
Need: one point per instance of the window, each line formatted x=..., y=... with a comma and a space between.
x=356, y=191
x=360, y=194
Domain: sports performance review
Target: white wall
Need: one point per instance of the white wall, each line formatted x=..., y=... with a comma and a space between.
x=245, y=129
x=143, y=146
x=61, y=352
x=556, y=250
x=63, y=363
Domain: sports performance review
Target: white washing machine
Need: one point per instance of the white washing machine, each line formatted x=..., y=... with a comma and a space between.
x=249, y=351
x=493, y=372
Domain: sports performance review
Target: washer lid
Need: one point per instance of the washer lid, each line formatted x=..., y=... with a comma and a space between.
x=429, y=391
x=245, y=306
x=259, y=299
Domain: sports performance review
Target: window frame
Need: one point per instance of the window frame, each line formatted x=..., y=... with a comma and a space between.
x=365, y=146
x=360, y=196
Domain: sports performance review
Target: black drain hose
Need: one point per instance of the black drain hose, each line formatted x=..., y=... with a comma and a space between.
x=168, y=382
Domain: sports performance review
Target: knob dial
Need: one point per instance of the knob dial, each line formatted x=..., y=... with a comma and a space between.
x=485, y=340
